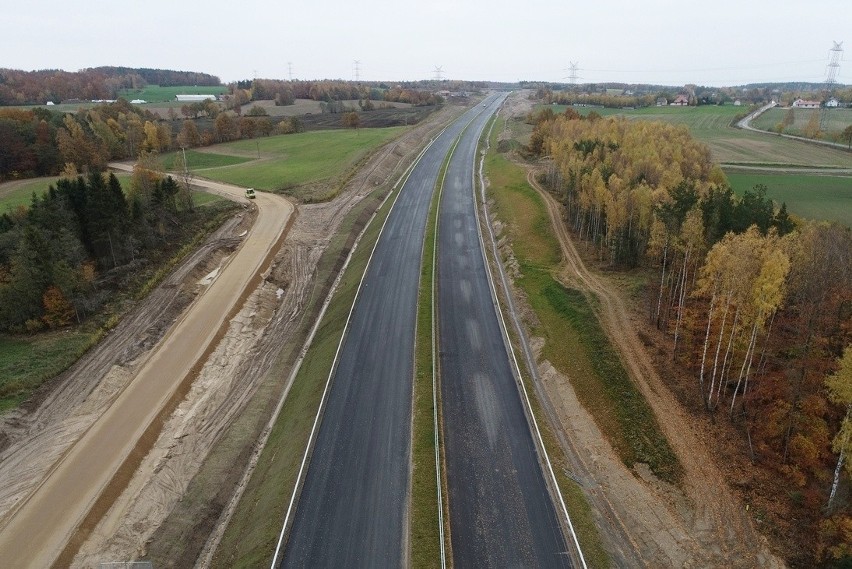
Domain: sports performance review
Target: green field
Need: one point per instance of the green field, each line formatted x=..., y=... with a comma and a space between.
x=809, y=196
x=199, y=160
x=157, y=94
x=838, y=119
x=310, y=165
x=711, y=125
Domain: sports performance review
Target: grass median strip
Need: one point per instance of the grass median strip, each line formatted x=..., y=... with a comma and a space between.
x=426, y=532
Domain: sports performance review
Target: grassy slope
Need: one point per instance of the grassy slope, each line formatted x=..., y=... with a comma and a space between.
x=574, y=340
x=292, y=160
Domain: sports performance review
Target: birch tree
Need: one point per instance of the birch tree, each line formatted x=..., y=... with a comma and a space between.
x=839, y=386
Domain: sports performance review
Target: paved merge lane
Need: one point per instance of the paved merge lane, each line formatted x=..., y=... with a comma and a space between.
x=352, y=511
x=501, y=513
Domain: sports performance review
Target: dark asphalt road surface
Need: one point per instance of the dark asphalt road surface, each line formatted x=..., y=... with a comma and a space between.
x=501, y=514
x=352, y=511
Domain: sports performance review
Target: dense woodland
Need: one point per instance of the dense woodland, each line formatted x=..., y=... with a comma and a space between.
x=758, y=306
x=39, y=142
x=59, y=257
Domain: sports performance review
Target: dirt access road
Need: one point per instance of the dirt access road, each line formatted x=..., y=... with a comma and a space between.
x=704, y=525
x=36, y=529
x=645, y=522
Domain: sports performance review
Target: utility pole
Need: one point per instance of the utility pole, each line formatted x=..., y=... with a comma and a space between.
x=290, y=70
x=439, y=73
x=357, y=71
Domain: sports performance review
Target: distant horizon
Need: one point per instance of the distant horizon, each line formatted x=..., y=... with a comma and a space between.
x=224, y=82
x=726, y=43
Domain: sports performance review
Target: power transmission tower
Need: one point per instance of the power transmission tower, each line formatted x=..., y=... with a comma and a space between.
x=572, y=73
x=357, y=70
x=290, y=70
x=835, y=54
x=439, y=73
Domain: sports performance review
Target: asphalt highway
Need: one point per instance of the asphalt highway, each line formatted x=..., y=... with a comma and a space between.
x=501, y=513
x=352, y=510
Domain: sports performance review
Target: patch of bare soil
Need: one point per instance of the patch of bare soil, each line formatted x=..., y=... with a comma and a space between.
x=243, y=374
x=644, y=521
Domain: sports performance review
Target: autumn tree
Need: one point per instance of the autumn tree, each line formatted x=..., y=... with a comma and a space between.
x=847, y=136
x=351, y=120
x=812, y=130
x=839, y=386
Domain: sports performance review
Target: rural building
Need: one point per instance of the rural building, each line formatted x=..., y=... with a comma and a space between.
x=803, y=104
x=194, y=98
x=738, y=103
x=681, y=101
x=832, y=103
x=138, y=102
x=662, y=102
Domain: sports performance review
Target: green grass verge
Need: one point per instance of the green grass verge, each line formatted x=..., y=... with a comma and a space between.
x=425, y=531
x=291, y=162
x=575, y=343
x=26, y=361
x=810, y=196
x=253, y=531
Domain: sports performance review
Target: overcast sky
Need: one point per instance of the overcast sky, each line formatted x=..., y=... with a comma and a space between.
x=718, y=42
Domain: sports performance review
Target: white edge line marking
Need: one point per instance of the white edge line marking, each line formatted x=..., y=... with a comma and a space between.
x=309, y=448
x=499, y=311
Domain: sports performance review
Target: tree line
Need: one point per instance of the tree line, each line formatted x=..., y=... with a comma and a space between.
x=19, y=87
x=40, y=142
x=55, y=254
x=328, y=91
x=756, y=302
